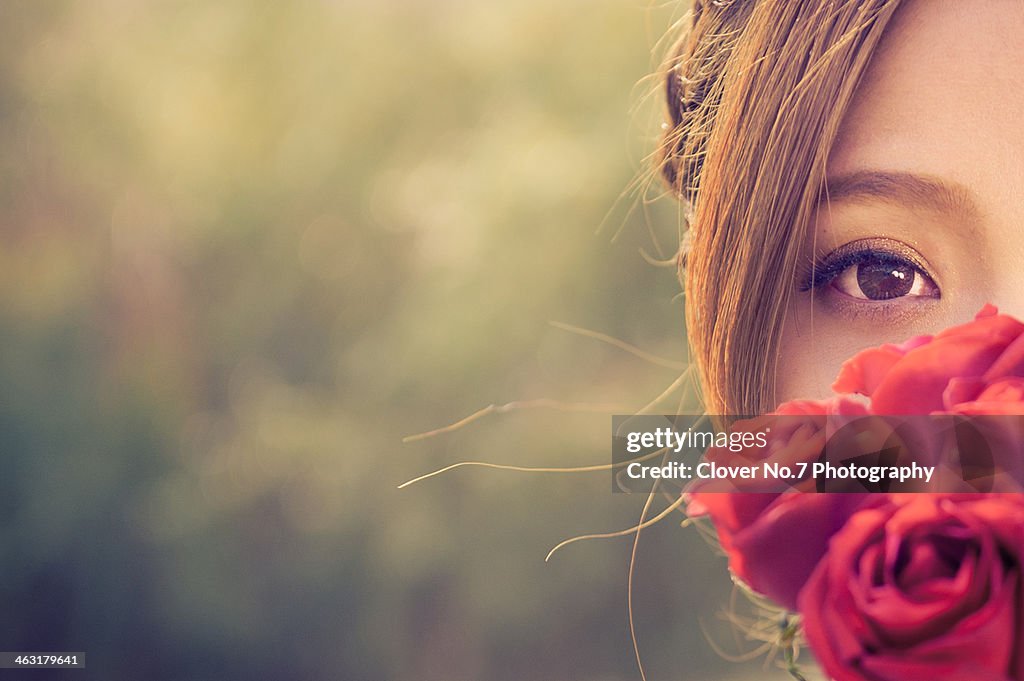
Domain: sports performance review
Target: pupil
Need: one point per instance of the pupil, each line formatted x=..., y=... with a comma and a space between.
x=881, y=280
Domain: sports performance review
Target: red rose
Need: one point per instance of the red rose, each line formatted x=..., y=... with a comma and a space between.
x=936, y=373
x=774, y=540
x=974, y=369
x=923, y=587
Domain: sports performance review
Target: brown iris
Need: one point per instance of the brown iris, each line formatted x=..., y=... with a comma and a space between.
x=883, y=280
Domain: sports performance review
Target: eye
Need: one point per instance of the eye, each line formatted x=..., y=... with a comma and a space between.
x=874, y=271
x=879, y=277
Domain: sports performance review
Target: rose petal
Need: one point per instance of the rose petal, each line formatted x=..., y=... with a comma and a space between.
x=867, y=625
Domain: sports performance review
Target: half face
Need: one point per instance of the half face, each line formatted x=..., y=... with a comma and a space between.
x=924, y=217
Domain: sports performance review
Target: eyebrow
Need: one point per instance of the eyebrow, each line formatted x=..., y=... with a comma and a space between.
x=908, y=189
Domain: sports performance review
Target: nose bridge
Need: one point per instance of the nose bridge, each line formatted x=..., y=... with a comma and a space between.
x=1007, y=271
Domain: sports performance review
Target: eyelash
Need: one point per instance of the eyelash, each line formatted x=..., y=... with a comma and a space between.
x=853, y=254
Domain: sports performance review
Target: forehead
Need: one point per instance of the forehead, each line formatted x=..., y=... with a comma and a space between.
x=944, y=96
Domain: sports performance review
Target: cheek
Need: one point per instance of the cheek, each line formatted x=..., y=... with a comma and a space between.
x=808, y=362
x=815, y=343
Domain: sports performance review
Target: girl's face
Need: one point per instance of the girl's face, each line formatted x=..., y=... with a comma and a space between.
x=924, y=220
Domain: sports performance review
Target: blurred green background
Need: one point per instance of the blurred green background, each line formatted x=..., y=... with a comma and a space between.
x=247, y=246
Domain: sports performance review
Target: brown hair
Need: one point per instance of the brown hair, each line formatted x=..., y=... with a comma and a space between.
x=756, y=92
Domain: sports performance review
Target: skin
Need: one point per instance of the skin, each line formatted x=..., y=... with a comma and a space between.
x=929, y=166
